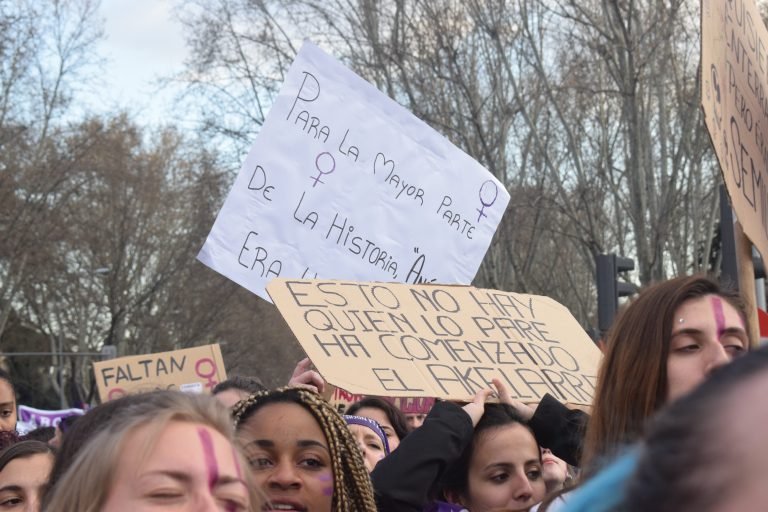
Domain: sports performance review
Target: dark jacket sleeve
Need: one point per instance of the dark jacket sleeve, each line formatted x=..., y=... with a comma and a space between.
x=560, y=429
x=402, y=480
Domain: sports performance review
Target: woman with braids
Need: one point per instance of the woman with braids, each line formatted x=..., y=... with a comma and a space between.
x=302, y=455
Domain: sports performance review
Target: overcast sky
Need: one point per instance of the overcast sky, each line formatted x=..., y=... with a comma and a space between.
x=143, y=42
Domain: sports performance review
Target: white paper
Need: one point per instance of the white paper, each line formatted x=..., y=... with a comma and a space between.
x=194, y=388
x=344, y=183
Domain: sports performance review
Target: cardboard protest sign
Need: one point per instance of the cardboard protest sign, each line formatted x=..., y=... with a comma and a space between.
x=342, y=182
x=192, y=370
x=341, y=399
x=734, y=81
x=391, y=339
x=413, y=405
x=30, y=418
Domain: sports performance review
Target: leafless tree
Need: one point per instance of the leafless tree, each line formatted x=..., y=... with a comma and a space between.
x=45, y=48
x=586, y=110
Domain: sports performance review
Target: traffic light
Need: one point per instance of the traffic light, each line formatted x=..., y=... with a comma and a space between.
x=729, y=269
x=609, y=288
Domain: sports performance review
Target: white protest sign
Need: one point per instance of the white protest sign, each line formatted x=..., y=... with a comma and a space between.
x=343, y=182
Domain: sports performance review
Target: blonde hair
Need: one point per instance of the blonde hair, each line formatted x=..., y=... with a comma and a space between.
x=86, y=485
x=352, y=488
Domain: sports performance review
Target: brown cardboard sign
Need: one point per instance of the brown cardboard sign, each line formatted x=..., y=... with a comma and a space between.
x=413, y=405
x=392, y=339
x=341, y=399
x=195, y=370
x=734, y=82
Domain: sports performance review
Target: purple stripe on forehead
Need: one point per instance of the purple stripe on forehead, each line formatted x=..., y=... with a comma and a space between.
x=717, y=307
x=209, y=455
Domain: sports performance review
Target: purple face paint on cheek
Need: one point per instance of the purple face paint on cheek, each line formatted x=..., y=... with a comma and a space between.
x=717, y=308
x=327, y=477
x=209, y=455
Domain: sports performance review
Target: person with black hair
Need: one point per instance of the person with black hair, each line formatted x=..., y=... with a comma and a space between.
x=7, y=402
x=390, y=418
x=42, y=434
x=479, y=457
x=61, y=428
x=236, y=388
x=24, y=470
x=371, y=439
x=7, y=438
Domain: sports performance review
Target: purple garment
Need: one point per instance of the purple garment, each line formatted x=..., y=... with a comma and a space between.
x=371, y=424
x=441, y=506
x=31, y=418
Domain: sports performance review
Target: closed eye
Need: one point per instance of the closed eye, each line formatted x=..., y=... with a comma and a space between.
x=165, y=495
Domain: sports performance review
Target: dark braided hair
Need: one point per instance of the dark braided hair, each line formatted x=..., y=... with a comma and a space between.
x=352, y=489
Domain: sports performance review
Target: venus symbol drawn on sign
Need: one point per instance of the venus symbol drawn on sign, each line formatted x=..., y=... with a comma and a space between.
x=211, y=382
x=321, y=172
x=485, y=196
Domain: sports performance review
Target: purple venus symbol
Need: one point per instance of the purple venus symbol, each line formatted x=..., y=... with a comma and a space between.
x=485, y=195
x=321, y=172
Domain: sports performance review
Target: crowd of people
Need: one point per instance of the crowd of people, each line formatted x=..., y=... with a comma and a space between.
x=675, y=425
